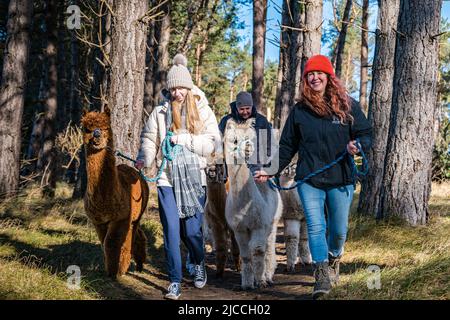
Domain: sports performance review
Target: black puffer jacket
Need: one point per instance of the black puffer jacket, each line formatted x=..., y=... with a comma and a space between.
x=319, y=141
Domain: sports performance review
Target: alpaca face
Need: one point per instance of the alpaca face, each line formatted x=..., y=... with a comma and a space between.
x=215, y=173
x=239, y=142
x=289, y=172
x=96, y=129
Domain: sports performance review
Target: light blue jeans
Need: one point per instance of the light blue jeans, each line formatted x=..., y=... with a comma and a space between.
x=338, y=202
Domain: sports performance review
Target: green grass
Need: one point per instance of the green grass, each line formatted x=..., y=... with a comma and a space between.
x=40, y=238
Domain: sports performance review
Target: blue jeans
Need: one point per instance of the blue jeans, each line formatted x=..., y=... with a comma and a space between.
x=189, y=230
x=338, y=201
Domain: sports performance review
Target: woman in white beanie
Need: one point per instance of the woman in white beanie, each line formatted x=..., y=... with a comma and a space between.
x=181, y=186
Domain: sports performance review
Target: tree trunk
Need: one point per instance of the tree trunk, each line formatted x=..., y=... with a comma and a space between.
x=162, y=53
x=342, y=36
x=47, y=157
x=259, y=38
x=63, y=93
x=74, y=91
x=364, y=56
x=129, y=35
x=150, y=63
x=3, y=22
x=347, y=68
x=407, y=180
x=289, y=68
x=313, y=34
x=380, y=104
x=81, y=182
x=37, y=131
x=12, y=93
x=311, y=37
x=101, y=58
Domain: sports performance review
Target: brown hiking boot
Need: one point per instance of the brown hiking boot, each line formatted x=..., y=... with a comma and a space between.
x=333, y=269
x=322, y=286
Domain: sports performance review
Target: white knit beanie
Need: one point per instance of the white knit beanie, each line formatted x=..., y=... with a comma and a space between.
x=179, y=75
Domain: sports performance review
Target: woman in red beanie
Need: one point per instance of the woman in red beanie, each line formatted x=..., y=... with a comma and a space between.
x=321, y=125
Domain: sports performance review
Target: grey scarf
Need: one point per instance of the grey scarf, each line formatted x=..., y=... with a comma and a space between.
x=186, y=178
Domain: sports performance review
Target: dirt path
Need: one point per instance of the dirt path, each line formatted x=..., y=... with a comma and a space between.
x=152, y=283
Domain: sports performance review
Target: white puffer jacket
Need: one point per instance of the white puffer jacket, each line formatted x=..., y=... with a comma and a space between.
x=203, y=144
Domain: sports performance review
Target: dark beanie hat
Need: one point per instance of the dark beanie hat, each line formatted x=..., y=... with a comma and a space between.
x=244, y=99
x=318, y=63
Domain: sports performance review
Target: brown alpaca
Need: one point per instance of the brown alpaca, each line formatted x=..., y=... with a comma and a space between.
x=115, y=199
x=215, y=216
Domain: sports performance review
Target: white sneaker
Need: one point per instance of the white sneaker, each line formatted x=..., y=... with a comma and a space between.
x=200, y=275
x=174, y=291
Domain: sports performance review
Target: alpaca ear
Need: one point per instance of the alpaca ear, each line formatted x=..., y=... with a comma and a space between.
x=107, y=110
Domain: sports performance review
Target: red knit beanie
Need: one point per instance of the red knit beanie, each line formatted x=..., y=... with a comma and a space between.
x=318, y=63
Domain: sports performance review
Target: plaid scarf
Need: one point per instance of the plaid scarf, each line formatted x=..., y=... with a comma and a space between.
x=186, y=178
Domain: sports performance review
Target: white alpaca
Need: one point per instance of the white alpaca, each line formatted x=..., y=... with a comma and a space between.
x=295, y=229
x=252, y=209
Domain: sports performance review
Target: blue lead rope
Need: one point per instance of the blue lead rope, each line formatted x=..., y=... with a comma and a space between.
x=169, y=152
x=274, y=183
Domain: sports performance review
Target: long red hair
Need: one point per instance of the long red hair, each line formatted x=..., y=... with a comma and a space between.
x=335, y=100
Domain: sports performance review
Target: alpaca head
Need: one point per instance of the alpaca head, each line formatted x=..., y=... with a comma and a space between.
x=96, y=129
x=239, y=141
x=215, y=173
x=289, y=171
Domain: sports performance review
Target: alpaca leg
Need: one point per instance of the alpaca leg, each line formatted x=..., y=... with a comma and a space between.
x=125, y=252
x=258, y=247
x=291, y=238
x=271, y=256
x=303, y=245
x=117, y=250
x=220, y=242
x=101, y=230
x=235, y=251
x=247, y=276
x=139, y=249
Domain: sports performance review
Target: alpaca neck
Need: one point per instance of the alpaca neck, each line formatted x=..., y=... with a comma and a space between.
x=216, y=195
x=241, y=180
x=102, y=177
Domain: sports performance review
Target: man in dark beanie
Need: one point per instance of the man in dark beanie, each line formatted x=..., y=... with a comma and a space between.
x=241, y=110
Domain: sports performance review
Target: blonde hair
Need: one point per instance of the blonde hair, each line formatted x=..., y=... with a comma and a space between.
x=193, y=123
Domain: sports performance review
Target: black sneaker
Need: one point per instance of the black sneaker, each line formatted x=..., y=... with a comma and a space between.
x=174, y=291
x=322, y=286
x=200, y=275
x=333, y=269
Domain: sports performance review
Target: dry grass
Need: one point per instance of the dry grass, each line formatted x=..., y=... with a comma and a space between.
x=414, y=262
x=40, y=238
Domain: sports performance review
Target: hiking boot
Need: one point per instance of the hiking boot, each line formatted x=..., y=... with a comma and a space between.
x=174, y=291
x=322, y=286
x=200, y=275
x=333, y=269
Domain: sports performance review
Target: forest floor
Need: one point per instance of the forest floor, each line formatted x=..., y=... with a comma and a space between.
x=41, y=240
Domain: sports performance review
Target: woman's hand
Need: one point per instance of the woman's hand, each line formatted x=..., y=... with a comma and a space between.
x=173, y=139
x=139, y=164
x=352, y=148
x=182, y=139
x=261, y=176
